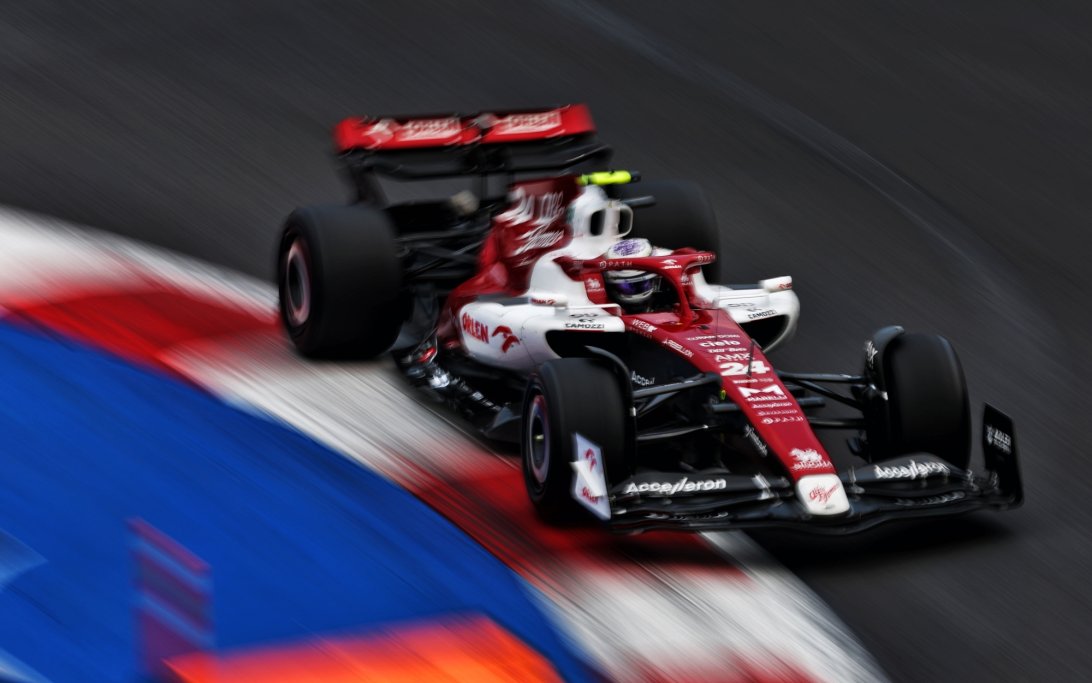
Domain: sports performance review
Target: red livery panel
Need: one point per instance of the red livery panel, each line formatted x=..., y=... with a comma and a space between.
x=455, y=130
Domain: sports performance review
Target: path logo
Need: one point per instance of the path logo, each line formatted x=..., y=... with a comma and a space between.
x=509, y=337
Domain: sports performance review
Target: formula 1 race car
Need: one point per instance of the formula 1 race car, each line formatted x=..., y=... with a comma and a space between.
x=546, y=307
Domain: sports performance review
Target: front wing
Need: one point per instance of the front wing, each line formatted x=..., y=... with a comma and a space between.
x=909, y=487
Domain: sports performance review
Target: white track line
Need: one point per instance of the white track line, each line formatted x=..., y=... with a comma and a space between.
x=637, y=621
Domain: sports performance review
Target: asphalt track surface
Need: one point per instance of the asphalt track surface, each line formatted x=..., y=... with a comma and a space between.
x=926, y=164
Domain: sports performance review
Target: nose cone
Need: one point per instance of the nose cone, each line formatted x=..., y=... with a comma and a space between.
x=822, y=494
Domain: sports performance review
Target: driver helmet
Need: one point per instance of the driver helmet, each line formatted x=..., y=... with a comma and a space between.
x=630, y=286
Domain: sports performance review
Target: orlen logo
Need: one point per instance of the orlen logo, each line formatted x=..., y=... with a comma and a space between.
x=474, y=328
x=429, y=129
x=593, y=463
x=538, y=122
x=807, y=459
x=589, y=457
x=509, y=337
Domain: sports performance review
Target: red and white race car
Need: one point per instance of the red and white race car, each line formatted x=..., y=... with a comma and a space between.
x=567, y=308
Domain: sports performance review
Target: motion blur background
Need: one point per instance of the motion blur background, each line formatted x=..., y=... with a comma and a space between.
x=919, y=163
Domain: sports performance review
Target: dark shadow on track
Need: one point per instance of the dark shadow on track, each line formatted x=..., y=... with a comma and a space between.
x=890, y=544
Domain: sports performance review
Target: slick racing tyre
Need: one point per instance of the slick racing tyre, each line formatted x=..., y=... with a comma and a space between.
x=681, y=217
x=339, y=280
x=566, y=397
x=928, y=406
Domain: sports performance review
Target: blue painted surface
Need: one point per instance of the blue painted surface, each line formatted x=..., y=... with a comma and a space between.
x=300, y=540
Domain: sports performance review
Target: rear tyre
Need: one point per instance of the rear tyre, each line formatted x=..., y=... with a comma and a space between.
x=928, y=405
x=566, y=397
x=681, y=217
x=339, y=281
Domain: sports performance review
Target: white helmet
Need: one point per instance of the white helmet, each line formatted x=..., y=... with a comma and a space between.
x=630, y=286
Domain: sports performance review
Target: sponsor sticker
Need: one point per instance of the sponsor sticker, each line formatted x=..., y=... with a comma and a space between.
x=912, y=470
x=757, y=441
x=950, y=497
x=822, y=495
x=770, y=392
x=474, y=328
x=870, y=355
x=774, y=404
x=807, y=459
x=429, y=129
x=538, y=122
x=731, y=357
x=720, y=344
x=641, y=381
x=584, y=324
x=589, y=482
x=696, y=517
x=509, y=339
x=672, y=344
x=672, y=488
x=761, y=314
x=999, y=439
x=783, y=420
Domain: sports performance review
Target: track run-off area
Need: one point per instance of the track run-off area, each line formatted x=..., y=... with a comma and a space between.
x=141, y=384
x=919, y=164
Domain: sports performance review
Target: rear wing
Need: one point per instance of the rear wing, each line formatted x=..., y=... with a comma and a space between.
x=560, y=140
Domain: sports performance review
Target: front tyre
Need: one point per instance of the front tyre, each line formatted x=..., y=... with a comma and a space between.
x=339, y=280
x=928, y=409
x=566, y=397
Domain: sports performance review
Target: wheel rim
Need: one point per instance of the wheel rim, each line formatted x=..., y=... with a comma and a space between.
x=297, y=284
x=538, y=440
